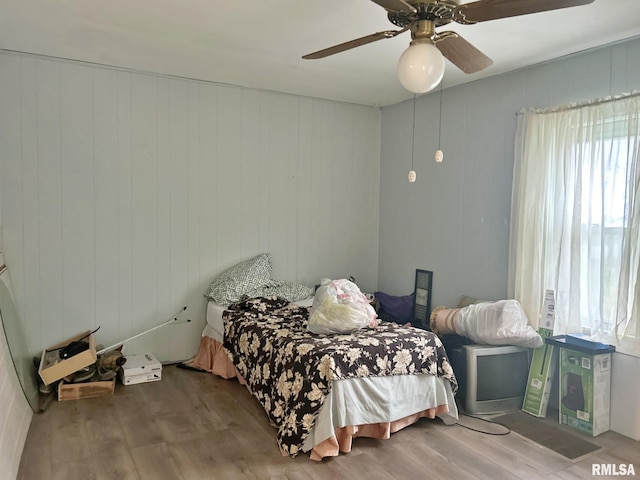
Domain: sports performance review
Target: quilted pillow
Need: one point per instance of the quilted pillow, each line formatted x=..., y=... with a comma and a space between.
x=240, y=279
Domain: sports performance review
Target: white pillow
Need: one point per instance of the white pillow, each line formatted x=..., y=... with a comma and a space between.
x=240, y=279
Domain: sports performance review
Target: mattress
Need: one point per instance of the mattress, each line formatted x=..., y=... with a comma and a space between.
x=214, y=327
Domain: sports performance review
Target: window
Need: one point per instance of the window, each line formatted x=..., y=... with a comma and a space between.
x=576, y=218
x=603, y=206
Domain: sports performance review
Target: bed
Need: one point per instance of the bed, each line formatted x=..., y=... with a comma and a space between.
x=322, y=391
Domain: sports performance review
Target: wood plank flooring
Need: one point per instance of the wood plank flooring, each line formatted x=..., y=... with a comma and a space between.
x=193, y=425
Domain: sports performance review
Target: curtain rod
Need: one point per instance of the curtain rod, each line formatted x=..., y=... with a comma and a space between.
x=573, y=106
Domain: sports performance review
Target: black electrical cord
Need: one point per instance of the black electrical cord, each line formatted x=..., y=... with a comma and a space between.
x=79, y=340
x=484, y=420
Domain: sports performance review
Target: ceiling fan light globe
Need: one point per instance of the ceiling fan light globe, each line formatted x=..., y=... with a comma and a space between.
x=421, y=67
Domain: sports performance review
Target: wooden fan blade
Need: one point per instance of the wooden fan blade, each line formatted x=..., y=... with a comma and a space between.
x=395, y=5
x=484, y=10
x=461, y=53
x=353, y=44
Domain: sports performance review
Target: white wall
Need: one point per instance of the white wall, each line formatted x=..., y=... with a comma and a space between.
x=15, y=414
x=625, y=392
x=124, y=194
x=455, y=219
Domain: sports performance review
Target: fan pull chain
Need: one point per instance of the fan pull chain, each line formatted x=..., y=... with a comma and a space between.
x=439, y=153
x=412, y=172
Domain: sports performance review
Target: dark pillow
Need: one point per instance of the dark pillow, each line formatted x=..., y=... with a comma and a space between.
x=400, y=308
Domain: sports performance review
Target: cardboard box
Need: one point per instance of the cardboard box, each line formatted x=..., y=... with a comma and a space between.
x=584, y=384
x=541, y=374
x=140, y=369
x=53, y=368
x=77, y=391
x=543, y=364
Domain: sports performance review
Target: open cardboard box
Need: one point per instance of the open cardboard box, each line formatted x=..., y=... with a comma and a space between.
x=53, y=368
x=78, y=391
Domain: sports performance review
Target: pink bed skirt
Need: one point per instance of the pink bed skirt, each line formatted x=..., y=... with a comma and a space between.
x=212, y=358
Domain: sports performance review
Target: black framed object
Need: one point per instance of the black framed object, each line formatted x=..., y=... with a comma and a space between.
x=422, y=298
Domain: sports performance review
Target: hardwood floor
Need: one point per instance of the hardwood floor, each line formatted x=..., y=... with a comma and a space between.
x=192, y=425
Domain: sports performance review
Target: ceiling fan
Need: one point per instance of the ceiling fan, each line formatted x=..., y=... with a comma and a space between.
x=422, y=17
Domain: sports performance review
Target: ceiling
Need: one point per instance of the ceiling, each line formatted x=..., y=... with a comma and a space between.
x=259, y=43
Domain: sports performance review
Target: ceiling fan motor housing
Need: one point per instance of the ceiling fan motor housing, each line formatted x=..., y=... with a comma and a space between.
x=440, y=13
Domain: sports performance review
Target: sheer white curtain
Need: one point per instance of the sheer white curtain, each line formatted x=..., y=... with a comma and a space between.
x=575, y=218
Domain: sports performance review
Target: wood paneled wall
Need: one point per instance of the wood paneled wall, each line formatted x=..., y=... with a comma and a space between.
x=123, y=194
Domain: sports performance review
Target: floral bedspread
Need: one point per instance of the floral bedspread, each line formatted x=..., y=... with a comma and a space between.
x=289, y=370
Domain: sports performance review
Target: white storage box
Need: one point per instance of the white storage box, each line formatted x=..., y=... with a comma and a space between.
x=140, y=369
